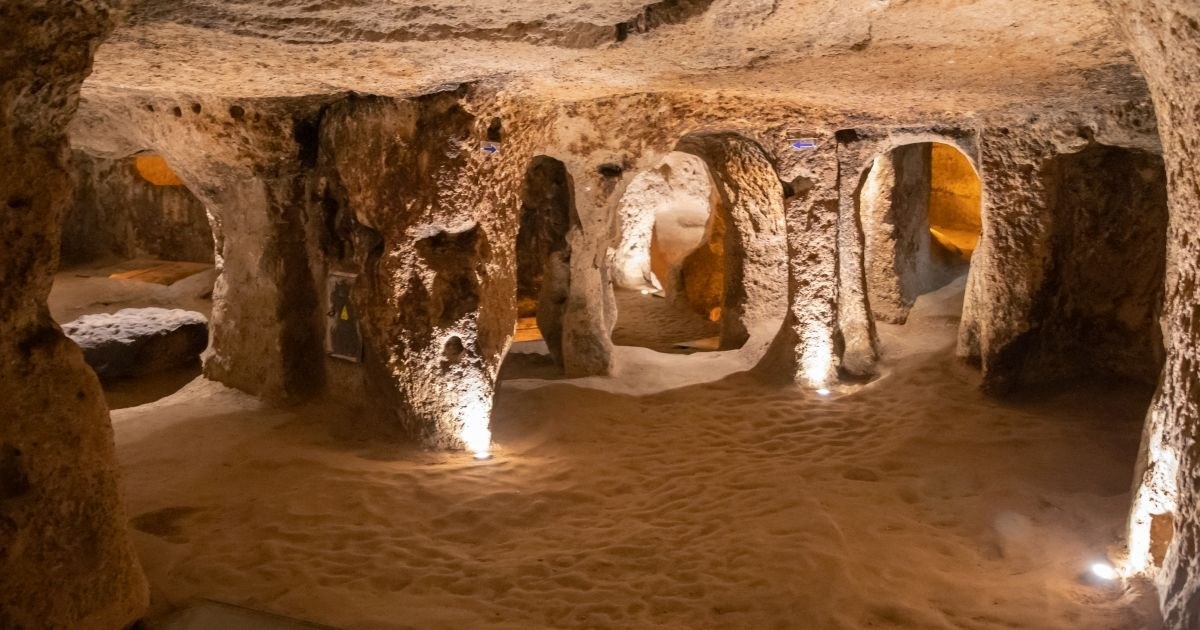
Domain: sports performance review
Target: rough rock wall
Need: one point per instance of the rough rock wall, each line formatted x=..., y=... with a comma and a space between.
x=702, y=273
x=808, y=347
x=545, y=219
x=1165, y=38
x=755, y=239
x=65, y=556
x=543, y=256
x=655, y=214
x=556, y=278
x=116, y=212
x=1096, y=314
x=266, y=333
x=1028, y=317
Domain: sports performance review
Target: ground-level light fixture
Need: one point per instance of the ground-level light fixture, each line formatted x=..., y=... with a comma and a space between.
x=1105, y=571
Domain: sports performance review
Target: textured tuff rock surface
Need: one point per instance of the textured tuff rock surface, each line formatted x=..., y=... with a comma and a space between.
x=137, y=341
x=116, y=211
x=65, y=556
x=660, y=212
x=1018, y=321
x=1099, y=307
x=434, y=250
x=955, y=201
x=244, y=161
x=1165, y=37
x=915, y=55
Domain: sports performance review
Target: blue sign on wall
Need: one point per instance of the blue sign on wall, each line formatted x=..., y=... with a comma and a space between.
x=802, y=144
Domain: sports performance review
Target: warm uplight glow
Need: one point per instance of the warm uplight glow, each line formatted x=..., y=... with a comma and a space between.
x=817, y=364
x=1105, y=571
x=824, y=391
x=476, y=436
x=154, y=169
x=475, y=413
x=1156, y=494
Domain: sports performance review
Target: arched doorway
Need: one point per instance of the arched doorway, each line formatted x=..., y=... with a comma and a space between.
x=669, y=267
x=135, y=287
x=920, y=207
x=543, y=259
x=733, y=273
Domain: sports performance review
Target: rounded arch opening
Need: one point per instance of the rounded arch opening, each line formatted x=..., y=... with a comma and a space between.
x=669, y=264
x=730, y=278
x=920, y=208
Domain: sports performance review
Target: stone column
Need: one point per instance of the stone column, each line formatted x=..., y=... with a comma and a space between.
x=66, y=560
x=805, y=350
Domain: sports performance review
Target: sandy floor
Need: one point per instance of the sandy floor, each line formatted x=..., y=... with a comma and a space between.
x=912, y=502
x=649, y=321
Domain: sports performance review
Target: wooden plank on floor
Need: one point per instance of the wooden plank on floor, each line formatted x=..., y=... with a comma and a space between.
x=527, y=330
x=157, y=271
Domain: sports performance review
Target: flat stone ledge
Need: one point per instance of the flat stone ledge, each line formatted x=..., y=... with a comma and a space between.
x=139, y=341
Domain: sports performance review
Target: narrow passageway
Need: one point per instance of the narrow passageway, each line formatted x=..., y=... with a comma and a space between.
x=914, y=501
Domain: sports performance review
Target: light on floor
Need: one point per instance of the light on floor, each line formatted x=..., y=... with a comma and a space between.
x=824, y=391
x=1105, y=571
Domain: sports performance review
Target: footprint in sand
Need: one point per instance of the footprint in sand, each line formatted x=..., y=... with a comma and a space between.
x=165, y=523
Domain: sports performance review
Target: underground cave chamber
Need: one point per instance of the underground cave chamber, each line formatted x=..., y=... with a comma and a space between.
x=601, y=316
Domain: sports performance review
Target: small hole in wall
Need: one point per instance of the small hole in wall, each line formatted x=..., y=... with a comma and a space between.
x=196, y=108
x=610, y=169
x=846, y=136
x=178, y=112
x=237, y=112
x=495, y=130
x=799, y=186
x=149, y=108
x=453, y=351
x=17, y=202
